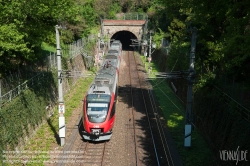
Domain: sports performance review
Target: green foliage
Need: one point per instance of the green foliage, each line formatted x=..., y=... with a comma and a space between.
x=178, y=58
x=114, y=8
x=157, y=38
x=47, y=47
x=223, y=32
x=174, y=112
x=225, y=133
x=177, y=30
x=46, y=134
x=26, y=111
x=25, y=25
x=89, y=14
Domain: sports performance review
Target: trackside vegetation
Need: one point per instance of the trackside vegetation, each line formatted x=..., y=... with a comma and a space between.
x=19, y=118
x=174, y=113
x=47, y=134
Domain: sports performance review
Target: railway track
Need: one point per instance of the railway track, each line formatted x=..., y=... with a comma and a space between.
x=142, y=97
x=94, y=154
x=87, y=153
x=138, y=137
x=132, y=116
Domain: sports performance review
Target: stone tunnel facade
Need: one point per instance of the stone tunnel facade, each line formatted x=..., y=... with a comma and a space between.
x=110, y=27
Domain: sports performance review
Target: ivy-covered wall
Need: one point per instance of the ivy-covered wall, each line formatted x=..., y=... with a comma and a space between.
x=21, y=116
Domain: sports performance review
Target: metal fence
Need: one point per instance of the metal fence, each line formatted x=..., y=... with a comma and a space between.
x=131, y=16
x=135, y=16
x=51, y=61
x=20, y=80
x=10, y=95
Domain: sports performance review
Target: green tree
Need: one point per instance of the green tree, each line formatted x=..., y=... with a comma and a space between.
x=24, y=25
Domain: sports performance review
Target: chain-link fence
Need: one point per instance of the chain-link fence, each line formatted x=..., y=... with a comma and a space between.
x=130, y=16
x=77, y=56
x=134, y=16
x=10, y=95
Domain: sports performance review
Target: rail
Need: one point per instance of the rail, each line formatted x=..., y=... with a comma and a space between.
x=133, y=116
x=161, y=148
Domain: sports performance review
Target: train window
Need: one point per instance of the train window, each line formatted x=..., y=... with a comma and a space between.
x=98, y=91
x=115, y=45
x=113, y=51
x=96, y=108
x=97, y=112
x=98, y=98
x=111, y=56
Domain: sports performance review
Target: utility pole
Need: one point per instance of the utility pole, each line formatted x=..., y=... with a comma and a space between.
x=188, y=117
x=0, y=92
x=61, y=107
x=149, y=58
x=108, y=39
x=145, y=55
x=98, y=52
x=99, y=35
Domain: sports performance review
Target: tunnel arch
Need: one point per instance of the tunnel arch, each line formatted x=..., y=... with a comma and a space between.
x=125, y=30
x=125, y=38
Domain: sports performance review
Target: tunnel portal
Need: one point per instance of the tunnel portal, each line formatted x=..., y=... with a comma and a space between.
x=126, y=39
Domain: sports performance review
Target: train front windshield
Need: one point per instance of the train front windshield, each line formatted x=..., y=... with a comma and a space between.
x=115, y=45
x=97, y=107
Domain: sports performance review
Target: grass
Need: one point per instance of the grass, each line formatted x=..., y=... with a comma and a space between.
x=47, y=47
x=45, y=136
x=173, y=111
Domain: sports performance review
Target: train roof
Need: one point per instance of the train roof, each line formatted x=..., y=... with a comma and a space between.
x=113, y=51
x=106, y=72
x=105, y=79
x=94, y=89
x=112, y=62
x=112, y=56
x=117, y=42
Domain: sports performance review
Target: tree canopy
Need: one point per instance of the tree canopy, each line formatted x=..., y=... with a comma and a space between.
x=24, y=25
x=223, y=32
x=223, y=28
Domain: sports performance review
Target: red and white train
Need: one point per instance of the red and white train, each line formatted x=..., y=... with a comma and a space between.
x=100, y=100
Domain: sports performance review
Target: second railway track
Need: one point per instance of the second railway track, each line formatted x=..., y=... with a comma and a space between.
x=138, y=135
x=143, y=99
